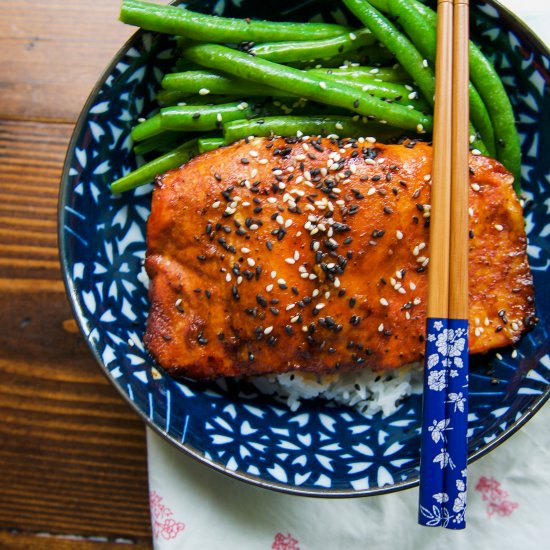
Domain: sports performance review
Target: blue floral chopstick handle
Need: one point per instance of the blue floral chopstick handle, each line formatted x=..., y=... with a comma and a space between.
x=444, y=451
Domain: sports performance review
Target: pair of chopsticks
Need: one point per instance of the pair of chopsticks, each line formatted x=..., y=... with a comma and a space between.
x=444, y=449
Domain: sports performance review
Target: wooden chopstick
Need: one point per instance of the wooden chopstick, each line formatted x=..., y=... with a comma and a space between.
x=440, y=219
x=444, y=419
x=460, y=177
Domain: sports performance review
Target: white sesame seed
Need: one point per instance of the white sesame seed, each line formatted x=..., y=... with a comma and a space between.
x=327, y=294
x=384, y=302
x=371, y=191
x=427, y=177
x=228, y=277
x=280, y=220
x=416, y=252
x=407, y=315
x=296, y=255
x=304, y=275
x=250, y=262
x=477, y=321
x=499, y=227
x=273, y=274
x=425, y=63
x=471, y=212
x=263, y=161
x=472, y=138
x=498, y=356
x=420, y=128
x=339, y=126
x=402, y=290
x=374, y=71
x=269, y=288
x=337, y=282
x=312, y=276
x=476, y=187
x=290, y=261
x=413, y=95
x=315, y=293
x=295, y=319
x=399, y=235
x=289, y=307
x=242, y=106
x=416, y=301
x=476, y=152
x=245, y=250
x=478, y=331
x=281, y=281
x=272, y=200
x=254, y=226
x=288, y=223
x=380, y=327
x=514, y=354
x=412, y=286
x=352, y=36
x=216, y=204
x=321, y=305
x=515, y=326
x=322, y=85
x=268, y=330
x=141, y=119
x=486, y=322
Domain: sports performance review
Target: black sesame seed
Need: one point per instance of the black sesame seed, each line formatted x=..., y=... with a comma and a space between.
x=355, y=320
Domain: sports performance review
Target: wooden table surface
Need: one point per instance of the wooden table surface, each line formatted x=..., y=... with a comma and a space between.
x=72, y=453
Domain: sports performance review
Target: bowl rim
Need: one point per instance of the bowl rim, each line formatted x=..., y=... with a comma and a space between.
x=516, y=24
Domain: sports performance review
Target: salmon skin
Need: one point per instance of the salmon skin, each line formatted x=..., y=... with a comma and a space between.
x=311, y=254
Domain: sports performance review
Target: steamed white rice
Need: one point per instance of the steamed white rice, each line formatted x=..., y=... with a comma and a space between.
x=366, y=391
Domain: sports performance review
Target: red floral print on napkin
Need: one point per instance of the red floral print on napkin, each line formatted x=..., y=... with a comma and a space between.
x=497, y=498
x=284, y=542
x=163, y=524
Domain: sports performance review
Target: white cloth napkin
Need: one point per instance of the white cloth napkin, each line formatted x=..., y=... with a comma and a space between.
x=193, y=507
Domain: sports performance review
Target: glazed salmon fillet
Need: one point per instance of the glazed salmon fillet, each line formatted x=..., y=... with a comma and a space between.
x=273, y=255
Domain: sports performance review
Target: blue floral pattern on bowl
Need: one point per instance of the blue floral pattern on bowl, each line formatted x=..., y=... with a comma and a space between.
x=321, y=449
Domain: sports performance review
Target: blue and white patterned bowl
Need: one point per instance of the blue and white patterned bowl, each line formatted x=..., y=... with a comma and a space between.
x=322, y=449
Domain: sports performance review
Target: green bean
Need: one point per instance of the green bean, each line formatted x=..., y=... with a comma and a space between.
x=494, y=96
x=388, y=91
x=367, y=74
x=303, y=84
x=403, y=49
x=147, y=128
x=161, y=142
x=312, y=126
x=203, y=117
x=195, y=82
x=210, y=143
x=285, y=52
x=409, y=57
x=197, y=26
x=147, y=173
x=423, y=35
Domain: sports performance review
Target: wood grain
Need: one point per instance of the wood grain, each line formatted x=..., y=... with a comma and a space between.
x=72, y=453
